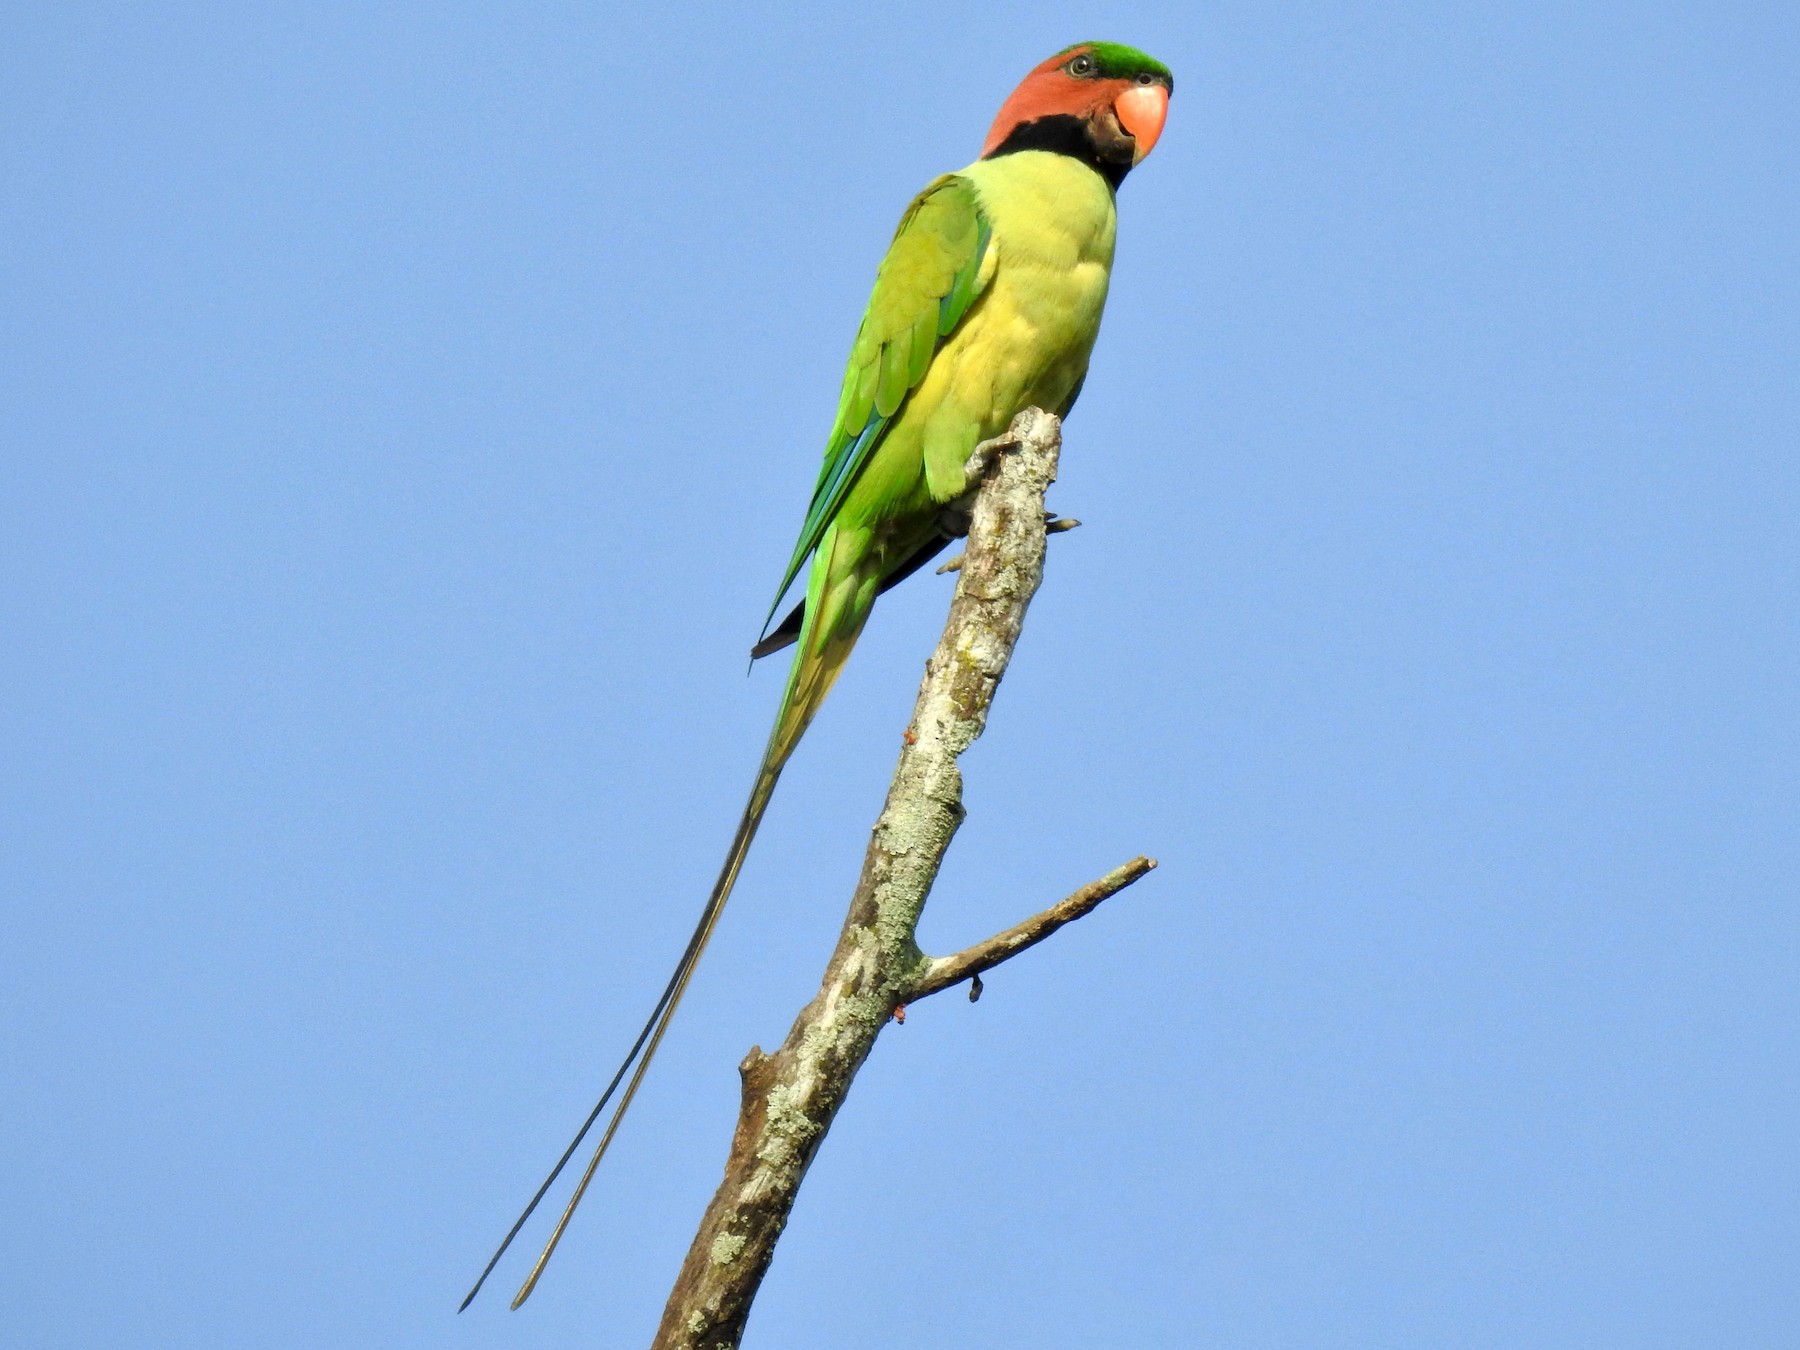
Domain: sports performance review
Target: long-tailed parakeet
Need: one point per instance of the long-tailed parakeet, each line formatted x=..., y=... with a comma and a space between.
x=988, y=302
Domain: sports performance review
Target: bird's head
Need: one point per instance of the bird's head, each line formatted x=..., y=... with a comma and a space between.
x=1101, y=102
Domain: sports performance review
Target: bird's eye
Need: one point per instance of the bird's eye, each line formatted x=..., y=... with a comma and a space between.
x=1082, y=65
x=1146, y=78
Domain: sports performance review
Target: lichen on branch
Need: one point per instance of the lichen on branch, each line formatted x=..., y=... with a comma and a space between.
x=791, y=1096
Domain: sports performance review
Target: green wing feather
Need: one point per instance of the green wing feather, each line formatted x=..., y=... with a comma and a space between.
x=926, y=284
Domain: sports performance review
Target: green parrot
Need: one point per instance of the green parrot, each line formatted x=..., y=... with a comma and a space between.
x=988, y=302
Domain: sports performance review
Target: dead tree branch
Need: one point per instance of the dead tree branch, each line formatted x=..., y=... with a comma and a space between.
x=791, y=1096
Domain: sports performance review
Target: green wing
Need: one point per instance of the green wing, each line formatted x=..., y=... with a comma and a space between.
x=925, y=285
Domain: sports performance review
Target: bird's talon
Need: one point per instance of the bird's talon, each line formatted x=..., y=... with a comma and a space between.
x=900, y=1013
x=981, y=459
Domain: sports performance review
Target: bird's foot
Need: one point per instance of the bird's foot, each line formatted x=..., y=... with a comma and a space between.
x=981, y=459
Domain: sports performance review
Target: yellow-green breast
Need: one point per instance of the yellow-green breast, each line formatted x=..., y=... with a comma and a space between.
x=1024, y=342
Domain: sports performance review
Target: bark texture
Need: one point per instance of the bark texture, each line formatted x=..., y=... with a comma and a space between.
x=791, y=1096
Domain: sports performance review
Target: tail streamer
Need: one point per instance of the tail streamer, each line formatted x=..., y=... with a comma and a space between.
x=642, y=1051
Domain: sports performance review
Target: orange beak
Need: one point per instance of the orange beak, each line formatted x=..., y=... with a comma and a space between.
x=1142, y=110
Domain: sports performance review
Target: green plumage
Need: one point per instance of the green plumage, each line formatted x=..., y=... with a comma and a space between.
x=1002, y=269
x=922, y=290
x=1116, y=61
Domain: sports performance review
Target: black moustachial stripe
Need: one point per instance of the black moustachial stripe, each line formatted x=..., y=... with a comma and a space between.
x=1063, y=134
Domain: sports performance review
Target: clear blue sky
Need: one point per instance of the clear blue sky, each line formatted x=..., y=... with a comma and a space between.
x=407, y=411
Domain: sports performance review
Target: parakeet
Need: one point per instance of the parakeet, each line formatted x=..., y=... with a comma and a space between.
x=988, y=302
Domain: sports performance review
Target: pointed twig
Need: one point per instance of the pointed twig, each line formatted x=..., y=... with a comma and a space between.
x=944, y=971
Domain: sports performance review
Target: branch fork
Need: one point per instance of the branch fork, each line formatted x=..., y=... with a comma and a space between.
x=790, y=1097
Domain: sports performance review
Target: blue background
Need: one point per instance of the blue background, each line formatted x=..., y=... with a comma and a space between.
x=407, y=410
